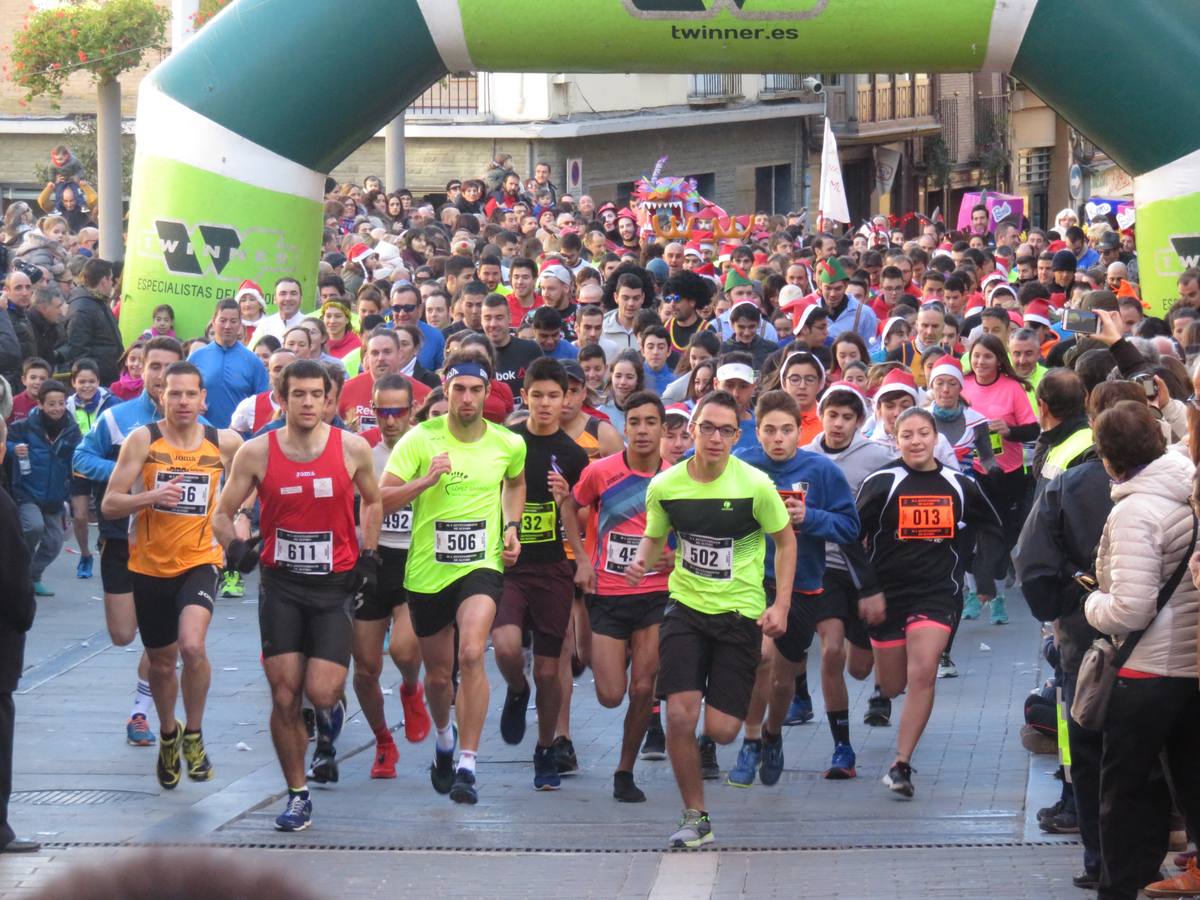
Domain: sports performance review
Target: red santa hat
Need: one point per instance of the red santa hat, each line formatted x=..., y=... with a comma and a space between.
x=1038, y=311
x=947, y=365
x=1016, y=318
x=791, y=296
x=888, y=325
x=679, y=410
x=692, y=248
x=841, y=387
x=359, y=252
x=897, y=381
x=250, y=288
x=802, y=316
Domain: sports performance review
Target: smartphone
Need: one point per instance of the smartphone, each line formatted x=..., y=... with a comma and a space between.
x=1081, y=321
x=1149, y=386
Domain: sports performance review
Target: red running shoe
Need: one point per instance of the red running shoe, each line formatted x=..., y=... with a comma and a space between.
x=416, y=717
x=386, y=757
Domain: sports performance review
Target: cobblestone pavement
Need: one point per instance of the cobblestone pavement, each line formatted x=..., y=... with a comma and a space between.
x=969, y=830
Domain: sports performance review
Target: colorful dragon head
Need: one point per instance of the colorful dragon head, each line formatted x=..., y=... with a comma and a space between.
x=671, y=206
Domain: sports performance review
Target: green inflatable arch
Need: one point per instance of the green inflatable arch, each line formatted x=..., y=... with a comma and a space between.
x=236, y=131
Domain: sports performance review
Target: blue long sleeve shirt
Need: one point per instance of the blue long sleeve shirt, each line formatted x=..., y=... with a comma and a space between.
x=231, y=374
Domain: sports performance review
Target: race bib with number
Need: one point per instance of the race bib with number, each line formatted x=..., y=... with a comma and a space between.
x=707, y=557
x=459, y=543
x=397, y=529
x=926, y=519
x=539, y=523
x=997, y=442
x=620, y=552
x=304, y=552
x=193, y=487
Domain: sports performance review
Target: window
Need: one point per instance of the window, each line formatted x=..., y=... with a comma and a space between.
x=1035, y=165
x=773, y=189
x=706, y=184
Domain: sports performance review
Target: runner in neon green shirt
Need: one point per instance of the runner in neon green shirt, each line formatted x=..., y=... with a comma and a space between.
x=459, y=472
x=711, y=635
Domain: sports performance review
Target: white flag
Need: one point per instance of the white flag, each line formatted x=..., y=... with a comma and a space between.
x=832, y=203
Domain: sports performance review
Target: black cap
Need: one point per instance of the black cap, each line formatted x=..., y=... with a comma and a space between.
x=1064, y=261
x=574, y=370
x=1108, y=241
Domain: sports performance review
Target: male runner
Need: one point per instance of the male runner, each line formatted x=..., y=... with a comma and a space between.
x=460, y=472
x=389, y=607
x=540, y=587
x=625, y=619
x=312, y=571
x=174, y=557
x=95, y=459
x=710, y=639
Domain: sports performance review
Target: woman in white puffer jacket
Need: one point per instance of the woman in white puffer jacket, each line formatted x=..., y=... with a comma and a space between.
x=1155, y=706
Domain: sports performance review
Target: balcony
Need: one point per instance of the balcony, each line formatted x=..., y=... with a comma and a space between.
x=783, y=87
x=883, y=106
x=452, y=97
x=713, y=90
x=992, y=115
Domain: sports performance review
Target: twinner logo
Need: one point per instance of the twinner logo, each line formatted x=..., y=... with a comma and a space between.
x=220, y=243
x=740, y=9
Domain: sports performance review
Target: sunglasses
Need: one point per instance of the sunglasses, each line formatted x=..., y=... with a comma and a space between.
x=405, y=307
x=392, y=412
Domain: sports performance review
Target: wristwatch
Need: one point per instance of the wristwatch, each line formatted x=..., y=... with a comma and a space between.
x=512, y=524
x=241, y=512
x=368, y=553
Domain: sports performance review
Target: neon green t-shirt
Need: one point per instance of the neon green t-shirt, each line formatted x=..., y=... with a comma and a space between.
x=456, y=524
x=722, y=549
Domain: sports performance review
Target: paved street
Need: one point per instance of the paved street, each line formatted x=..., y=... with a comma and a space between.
x=83, y=791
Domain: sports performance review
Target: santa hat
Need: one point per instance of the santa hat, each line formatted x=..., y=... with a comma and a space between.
x=627, y=213
x=735, y=277
x=761, y=259
x=727, y=251
x=897, y=381
x=803, y=316
x=359, y=252
x=974, y=302
x=830, y=270
x=555, y=269
x=1038, y=311
x=250, y=288
x=888, y=325
x=841, y=387
x=791, y=296
x=993, y=295
x=692, y=249
x=750, y=303
x=947, y=365
x=1016, y=318
x=679, y=410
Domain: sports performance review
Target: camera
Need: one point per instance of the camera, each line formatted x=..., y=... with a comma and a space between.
x=1146, y=380
x=813, y=85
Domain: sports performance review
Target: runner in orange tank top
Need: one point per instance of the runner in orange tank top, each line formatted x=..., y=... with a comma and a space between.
x=167, y=478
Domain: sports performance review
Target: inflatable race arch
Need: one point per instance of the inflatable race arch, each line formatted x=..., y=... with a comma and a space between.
x=237, y=130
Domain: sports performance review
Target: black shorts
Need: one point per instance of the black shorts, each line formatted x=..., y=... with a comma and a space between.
x=115, y=576
x=538, y=597
x=801, y=623
x=619, y=617
x=717, y=655
x=80, y=486
x=839, y=600
x=158, y=602
x=309, y=615
x=391, y=591
x=902, y=617
x=433, y=612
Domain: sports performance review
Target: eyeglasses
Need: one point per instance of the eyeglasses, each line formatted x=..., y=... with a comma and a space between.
x=803, y=379
x=392, y=412
x=405, y=307
x=727, y=432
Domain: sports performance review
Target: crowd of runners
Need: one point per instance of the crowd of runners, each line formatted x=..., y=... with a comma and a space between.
x=514, y=419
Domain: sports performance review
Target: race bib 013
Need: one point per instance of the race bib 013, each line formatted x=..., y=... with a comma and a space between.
x=926, y=519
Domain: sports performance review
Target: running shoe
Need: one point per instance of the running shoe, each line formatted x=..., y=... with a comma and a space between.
x=946, y=667
x=297, y=815
x=1064, y=822
x=748, y=760
x=41, y=590
x=841, y=767
x=564, y=756
x=199, y=766
x=1185, y=884
x=879, y=711
x=169, y=768
x=386, y=757
x=441, y=773
x=232, y=585
x=138, y=732
x=655, y=744
x=324, y=768
x=624, y=789
x=971, y=607
x=800, y=711
x=545, y=770
x=84, y=568
x=416, y=717
x=512, y=718
x=999, y=610
x=709, y=769
x=463, y=789
x=899, y=779
x=695, y=830
x=772, y=761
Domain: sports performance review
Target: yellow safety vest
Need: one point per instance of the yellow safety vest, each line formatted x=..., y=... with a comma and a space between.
x=1062, y=455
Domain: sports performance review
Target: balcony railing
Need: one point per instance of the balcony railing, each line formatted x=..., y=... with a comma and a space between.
x=991, y=118
x=948, y=115
x=706, y=89
x=778, y=86
x=452, y=96
x=922, y=105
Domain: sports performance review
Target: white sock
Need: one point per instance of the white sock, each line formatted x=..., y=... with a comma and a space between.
x=445, y=739
x=466, y=760
x=142, y=700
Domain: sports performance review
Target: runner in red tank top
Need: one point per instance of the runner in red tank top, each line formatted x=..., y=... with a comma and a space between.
x=312, y=570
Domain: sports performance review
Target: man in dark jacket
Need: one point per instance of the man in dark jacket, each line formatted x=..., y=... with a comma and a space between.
x=18, y=293
x=46, y=318
x=92, y=328
x=16, y=617
x=10, y=353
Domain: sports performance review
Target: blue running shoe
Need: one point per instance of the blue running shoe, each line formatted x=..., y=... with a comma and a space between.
x=772, y=760
x=441, y=773
x=842, y=765
x=297, y=815
x=800, y=712
x=971, y=607
x=83, y=568
x=545, y=769
x=748, y=759
x=999, y=610
x=463, y=790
